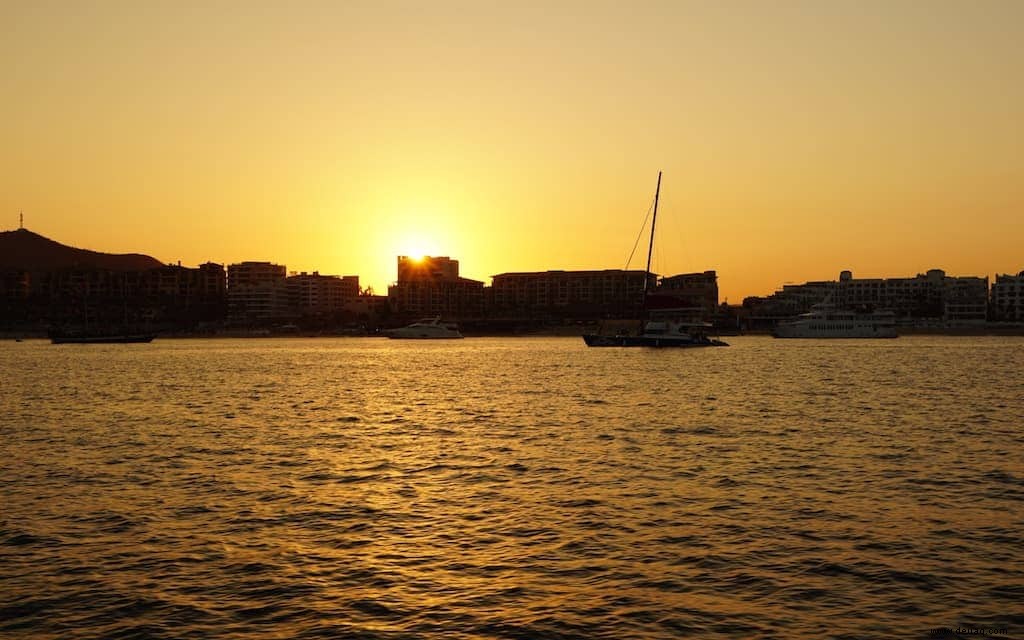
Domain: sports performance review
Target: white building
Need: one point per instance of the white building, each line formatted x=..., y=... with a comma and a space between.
x=257, y=293
x=927, y=298
x=1008, y=298
x=314, y=294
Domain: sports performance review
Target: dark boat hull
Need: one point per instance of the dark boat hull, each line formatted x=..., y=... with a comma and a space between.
x=594, y=340
x=113, y=339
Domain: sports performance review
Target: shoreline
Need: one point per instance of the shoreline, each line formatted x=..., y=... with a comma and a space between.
x=555, y=332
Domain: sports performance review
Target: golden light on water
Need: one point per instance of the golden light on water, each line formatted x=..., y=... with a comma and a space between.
x=337, y=487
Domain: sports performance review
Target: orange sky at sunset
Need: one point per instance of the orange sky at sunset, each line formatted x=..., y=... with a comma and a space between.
x=797, y=138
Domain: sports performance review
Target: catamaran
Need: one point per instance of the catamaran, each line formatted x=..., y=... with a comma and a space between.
x=656, y=331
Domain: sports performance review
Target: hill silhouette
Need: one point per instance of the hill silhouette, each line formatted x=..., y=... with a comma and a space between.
x=23, y=249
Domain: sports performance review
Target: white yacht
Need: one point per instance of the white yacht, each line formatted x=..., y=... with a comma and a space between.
x=426, y=329
x=835, y=323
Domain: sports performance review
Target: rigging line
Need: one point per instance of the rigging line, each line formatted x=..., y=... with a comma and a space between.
x=639, y=235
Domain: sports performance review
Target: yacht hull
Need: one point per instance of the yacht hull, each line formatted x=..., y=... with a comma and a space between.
x=594, y=340
x=422, y=337
x=432, y=329
x=827, y=336
x=122, y=339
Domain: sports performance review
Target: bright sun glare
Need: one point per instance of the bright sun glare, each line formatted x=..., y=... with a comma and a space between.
x=418, y=247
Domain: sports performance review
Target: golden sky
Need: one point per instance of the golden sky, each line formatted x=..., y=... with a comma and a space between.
x=798, y=138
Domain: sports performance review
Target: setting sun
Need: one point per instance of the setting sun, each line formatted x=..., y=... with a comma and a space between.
x=416, y=245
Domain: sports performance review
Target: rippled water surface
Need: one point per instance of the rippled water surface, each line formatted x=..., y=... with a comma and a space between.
x=512, y=488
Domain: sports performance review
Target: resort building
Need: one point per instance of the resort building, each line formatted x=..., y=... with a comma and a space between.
x=257, y=293
x=606, y=293
x=1008, y=298
x=431, y=286
x=311, y=294
x=184, y=284
x=427, y=268
x=179, y=294
x=931, y=298
x=695, y=292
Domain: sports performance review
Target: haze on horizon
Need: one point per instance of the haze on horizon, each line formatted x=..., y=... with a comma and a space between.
x=797, y=138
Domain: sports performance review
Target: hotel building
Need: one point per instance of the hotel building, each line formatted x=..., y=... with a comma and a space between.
x=929, y=298
x=695, y=292
x=431, y=286
x=311, y=294
x=1008, y=298
x=257, y=293
x=606, y=293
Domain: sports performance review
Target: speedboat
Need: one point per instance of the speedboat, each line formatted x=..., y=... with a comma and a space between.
x=426, y=329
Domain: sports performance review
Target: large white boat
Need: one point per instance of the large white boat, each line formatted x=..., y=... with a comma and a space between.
x=658, y=333
x=426, y=329
x=835, y=323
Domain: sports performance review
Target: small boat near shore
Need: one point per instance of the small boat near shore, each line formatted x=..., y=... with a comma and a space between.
x=426, y=329
x=60, y=336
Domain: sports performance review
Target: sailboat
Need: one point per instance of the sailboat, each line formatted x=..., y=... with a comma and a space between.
x=656, y=332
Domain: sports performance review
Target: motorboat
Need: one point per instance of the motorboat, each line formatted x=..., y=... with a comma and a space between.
x=426, y=329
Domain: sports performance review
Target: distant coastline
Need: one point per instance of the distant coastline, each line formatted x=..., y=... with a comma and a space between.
x=1007, y=330
x=45, y=285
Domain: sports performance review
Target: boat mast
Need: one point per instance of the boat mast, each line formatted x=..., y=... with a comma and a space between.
x=650, y=246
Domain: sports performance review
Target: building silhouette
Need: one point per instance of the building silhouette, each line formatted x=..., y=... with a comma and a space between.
x=931, y=298
x=438, y=269
x=182, y=295
x=696, y=294
x=44, y=283
x=169, y=295
x=555, y=294
x=431, y=286
x=257, y=293
x=315, y=296
x=1008, y=298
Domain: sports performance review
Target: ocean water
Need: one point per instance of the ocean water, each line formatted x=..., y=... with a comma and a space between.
x=526, y=488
